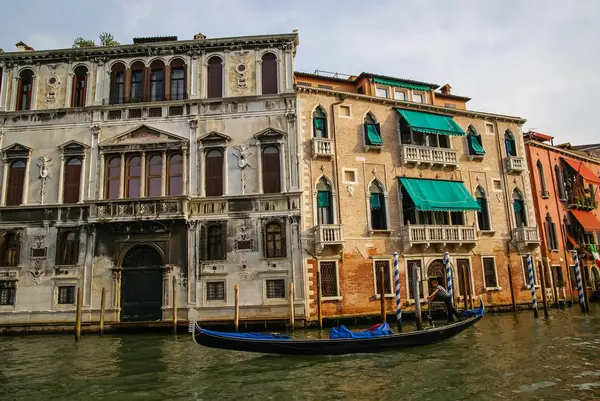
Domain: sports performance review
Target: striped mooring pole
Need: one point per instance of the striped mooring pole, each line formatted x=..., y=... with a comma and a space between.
x=448, y=276
x=532, y=285
x=579, y=281
x=397, y=285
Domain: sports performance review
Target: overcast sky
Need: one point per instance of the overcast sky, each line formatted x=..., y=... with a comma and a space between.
x=537, y=59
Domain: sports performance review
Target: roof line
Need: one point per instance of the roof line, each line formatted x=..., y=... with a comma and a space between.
x=562, y=151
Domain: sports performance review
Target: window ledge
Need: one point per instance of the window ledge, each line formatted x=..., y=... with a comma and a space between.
x=386, y=295
x=528, y=287
x=545, y=196
x=554, y=250
x=493, y=288
x=374, y=148
x=476, y=157
x=389, y=232
x=487, y=232
x=338, y=298
x=275, y=301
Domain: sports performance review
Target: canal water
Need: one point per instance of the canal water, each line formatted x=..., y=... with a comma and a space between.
x=504, y=357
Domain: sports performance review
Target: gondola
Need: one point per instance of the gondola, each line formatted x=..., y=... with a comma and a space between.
x=282, y=344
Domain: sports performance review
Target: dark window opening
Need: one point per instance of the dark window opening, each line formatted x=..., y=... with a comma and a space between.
x=269, y=74
x=67, y=250
x=215, y=291
x=113, y=178
x=66, y=295
x=137, y=82
x=117, y=84
x=79, y=87
x=157, y=82
x=320, y=124
x=16, y=181
x=276, y=288
x=11, y=249
x=519, y=209
x=510, y=144
x=489, y=272
x=214, y=242
x=214, y=173
x=274, y=241
x=329, y=284
x=377, y=206
x=385, y=264
x=483, y=215
x=72, y=180
x=8, y=292
x=412, y=265
x=215, y=77
x=25, y=92
x=324, y=202
x=271, y=172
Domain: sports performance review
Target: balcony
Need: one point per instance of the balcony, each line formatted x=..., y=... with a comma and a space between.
x=234, y=205
x=144, y=98
x=138, y=209
x=328, y=234
x=586, y=203
x=515, y=164
x=526, y=236
x=428, y=235
x=427, y=155
x=322, y=147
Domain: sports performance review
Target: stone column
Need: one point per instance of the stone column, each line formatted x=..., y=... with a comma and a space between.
x=26, y=183
x=293, y=154
x=281, y=67
x=193, y=77
x=225, y=171
x=184, y=175
x=102, y=78
x=204, y=82
x=224, y=83
x=81, y=180
x=34, y=87
x=100, y=177
x=193, y=170
x=163, y=174
x=3, y=87
x=259, y=167
x=202, y=189
x=95, y=178
x=88, y=88
x=258, y=74
x=122, y=177
x=14, y=91
x=143, y=175
x=61, y=178
x=283, y=164
x=69, y=94
x=289, y=68
x=5, y=166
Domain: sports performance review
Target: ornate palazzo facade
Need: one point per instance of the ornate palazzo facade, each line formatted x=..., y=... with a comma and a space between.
x=130, y=168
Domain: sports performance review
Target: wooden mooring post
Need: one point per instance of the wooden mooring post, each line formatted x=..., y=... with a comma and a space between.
x=512, y=290
x=415, y=278
x=319, y=311
x=382, y=293
x=465, y=292
x=78, y=316
x=102, y=306
x=543, y=280
x=292, y=312
x=236, y=313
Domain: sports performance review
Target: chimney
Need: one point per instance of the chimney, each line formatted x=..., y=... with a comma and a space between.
x=446, y=89
x=22, y=47
x=199, y=36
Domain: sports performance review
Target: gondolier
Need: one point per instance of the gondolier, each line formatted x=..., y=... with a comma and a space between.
x=443, y=295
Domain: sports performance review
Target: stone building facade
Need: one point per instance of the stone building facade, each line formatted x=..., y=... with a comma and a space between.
x=565, y=187
x=371, y=143
x=133, y=167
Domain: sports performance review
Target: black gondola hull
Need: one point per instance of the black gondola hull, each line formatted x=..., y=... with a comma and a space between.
x=335, y=346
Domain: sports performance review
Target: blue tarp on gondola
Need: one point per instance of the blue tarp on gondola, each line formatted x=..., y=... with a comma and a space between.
x=343, y=332
x=249, y=336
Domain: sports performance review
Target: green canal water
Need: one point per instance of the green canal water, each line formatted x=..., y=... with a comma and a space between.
x=503, y=357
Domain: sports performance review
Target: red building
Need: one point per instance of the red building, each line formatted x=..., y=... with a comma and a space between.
x=565, y=186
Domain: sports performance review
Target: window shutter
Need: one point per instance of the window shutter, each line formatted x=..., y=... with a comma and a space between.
x=215, y=78
x=283, y=240
x=214, y=176
x=224, y=235
x=71, y=184
x=16, y=178
x=202, y=249
x=269, y=74
x=271, y=173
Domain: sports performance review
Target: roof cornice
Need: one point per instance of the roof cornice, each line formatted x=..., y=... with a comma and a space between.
x=412, y=106
x=562, y=151
x=136, y=49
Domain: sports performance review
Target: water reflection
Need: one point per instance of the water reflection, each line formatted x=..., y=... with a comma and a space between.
x=503, y=357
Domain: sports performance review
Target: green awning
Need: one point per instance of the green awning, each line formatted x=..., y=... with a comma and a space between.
x=400, y=84
x=373, y=134
x=431, y=123
x=475, y=147
x=438, y=195
x=322, y=198
x=319, y=123
x=375, y=201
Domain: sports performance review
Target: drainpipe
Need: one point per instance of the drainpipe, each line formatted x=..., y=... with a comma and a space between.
x=563, y=231
x=335, y=167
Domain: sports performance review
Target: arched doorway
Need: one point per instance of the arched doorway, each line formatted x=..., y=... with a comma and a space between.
x=437, y=271
x=141, y=284
x=596, y=278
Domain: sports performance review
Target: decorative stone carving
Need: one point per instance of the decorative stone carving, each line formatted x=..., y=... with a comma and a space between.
x=351, y=188
x=37, y=272
x=44, y=163
x=243, y=153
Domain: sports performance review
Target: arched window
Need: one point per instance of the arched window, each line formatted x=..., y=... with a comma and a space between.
x=154, y=173
x=542, y=176
x=117, y=84
x=157, y=81
x=214, y=243
x=25, y=92
x=11, y=249
x=372, y=131
x=377, y=205
x=320, y=124
x=475, y=143
x=136, y=93
x=178, y=76
x=551, y=235
x=560, y=183
x=176, y=174
x=67, y=252
x=510, y=144
x=72, y=180
x=271, y=170
x=79, y=86
x=274, y=241
x=134, y=170
x=16, y=181
x=483, y=215
x=214, y=173
x=215, y=77
x=519, y=209
x=113, y=178
x=269, y=74
x=324, y=202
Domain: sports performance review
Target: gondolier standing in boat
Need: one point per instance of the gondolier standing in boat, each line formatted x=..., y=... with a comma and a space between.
x=442, y=294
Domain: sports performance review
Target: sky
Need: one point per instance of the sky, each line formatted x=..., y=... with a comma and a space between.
x=536, y=59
